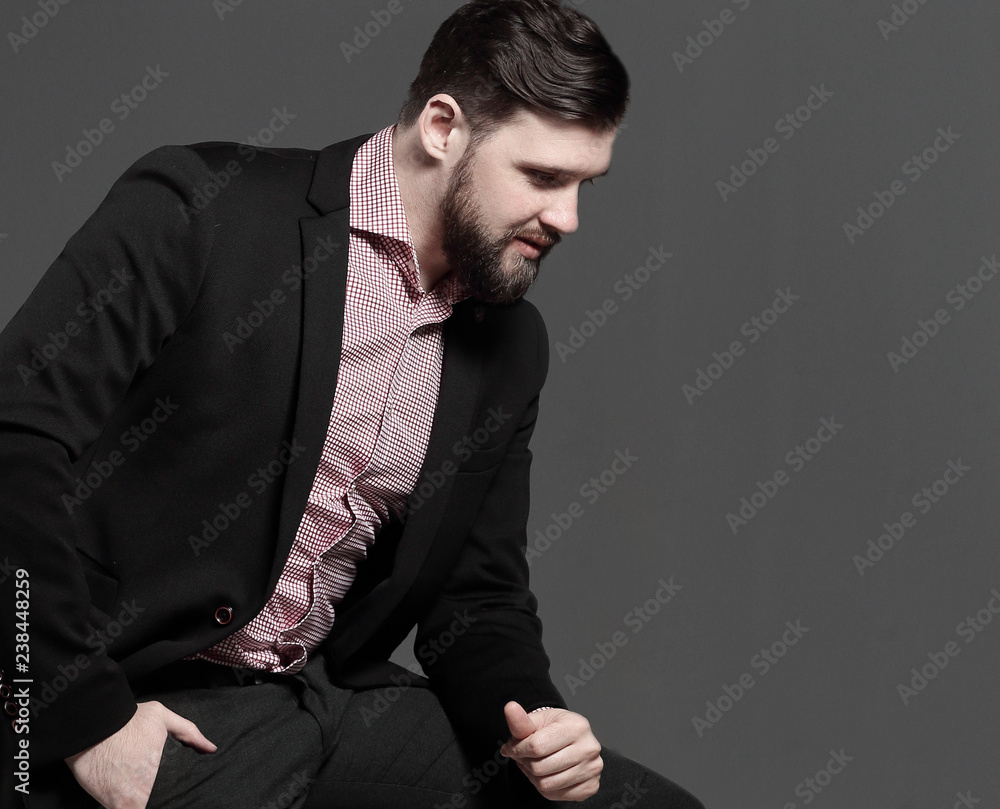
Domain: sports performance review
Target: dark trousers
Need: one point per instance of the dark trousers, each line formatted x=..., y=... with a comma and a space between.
x=302, y=742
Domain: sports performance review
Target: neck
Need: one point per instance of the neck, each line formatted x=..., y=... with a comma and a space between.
x=422, y=190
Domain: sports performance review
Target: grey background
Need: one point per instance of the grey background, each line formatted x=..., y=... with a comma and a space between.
x=836, y=689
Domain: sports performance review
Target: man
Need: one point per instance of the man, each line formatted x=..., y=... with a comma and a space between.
x=287, y=418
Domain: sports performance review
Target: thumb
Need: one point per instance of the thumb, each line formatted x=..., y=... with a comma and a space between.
x=186, y=731
x=520, y=724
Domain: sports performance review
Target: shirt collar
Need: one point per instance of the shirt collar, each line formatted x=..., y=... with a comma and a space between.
x=377, y=208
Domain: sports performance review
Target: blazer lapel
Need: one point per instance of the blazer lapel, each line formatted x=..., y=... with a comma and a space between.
x=324, y=289
x=460, y=383
x=461, y=371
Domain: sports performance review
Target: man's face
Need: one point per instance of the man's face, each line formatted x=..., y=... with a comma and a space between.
x=510, y=200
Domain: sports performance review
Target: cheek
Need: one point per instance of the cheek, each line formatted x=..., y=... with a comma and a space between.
x=505, y=201
x=510, y=212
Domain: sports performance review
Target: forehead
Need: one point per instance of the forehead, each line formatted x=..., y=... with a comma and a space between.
x=541, y=141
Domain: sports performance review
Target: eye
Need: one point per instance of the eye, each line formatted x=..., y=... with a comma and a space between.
x=541, y=178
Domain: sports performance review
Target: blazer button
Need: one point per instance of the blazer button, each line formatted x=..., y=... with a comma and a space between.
x=223, y=615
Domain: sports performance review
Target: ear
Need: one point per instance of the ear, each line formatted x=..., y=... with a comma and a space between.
x=443, y=130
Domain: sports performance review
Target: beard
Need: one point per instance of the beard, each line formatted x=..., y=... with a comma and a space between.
x=476, y=257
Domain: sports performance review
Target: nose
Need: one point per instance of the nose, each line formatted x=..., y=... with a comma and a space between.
x=561, y=214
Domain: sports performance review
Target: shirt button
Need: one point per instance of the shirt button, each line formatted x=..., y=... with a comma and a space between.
x=223, y=615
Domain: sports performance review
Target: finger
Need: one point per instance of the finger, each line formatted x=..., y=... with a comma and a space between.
x=518, y=721
x=558, y=762
x=579, y=792
x=575, y=784
x=565, y=767
x=186, y=731
x=542, y=744
x=572, y=777
x=562, y=787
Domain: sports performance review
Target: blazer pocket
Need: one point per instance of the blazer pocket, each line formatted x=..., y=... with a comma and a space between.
x=103, y=586
x=483, y=459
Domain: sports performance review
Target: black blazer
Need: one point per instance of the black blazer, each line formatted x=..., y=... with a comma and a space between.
x=164, y=396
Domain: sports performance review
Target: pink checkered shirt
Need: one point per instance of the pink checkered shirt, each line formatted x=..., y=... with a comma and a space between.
x=380, y=423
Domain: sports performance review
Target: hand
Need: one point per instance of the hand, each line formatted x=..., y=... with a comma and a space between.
x=119, y=772
x=556, y=750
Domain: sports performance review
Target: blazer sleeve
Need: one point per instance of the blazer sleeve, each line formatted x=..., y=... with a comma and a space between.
x=98, y=317
x=487, y=606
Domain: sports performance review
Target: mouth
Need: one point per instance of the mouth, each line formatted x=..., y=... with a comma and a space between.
x=532, y=248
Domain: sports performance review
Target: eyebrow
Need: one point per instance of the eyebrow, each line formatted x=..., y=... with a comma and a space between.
x=558, y=172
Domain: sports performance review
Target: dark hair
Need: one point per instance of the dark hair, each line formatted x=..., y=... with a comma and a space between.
x=497, y=57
